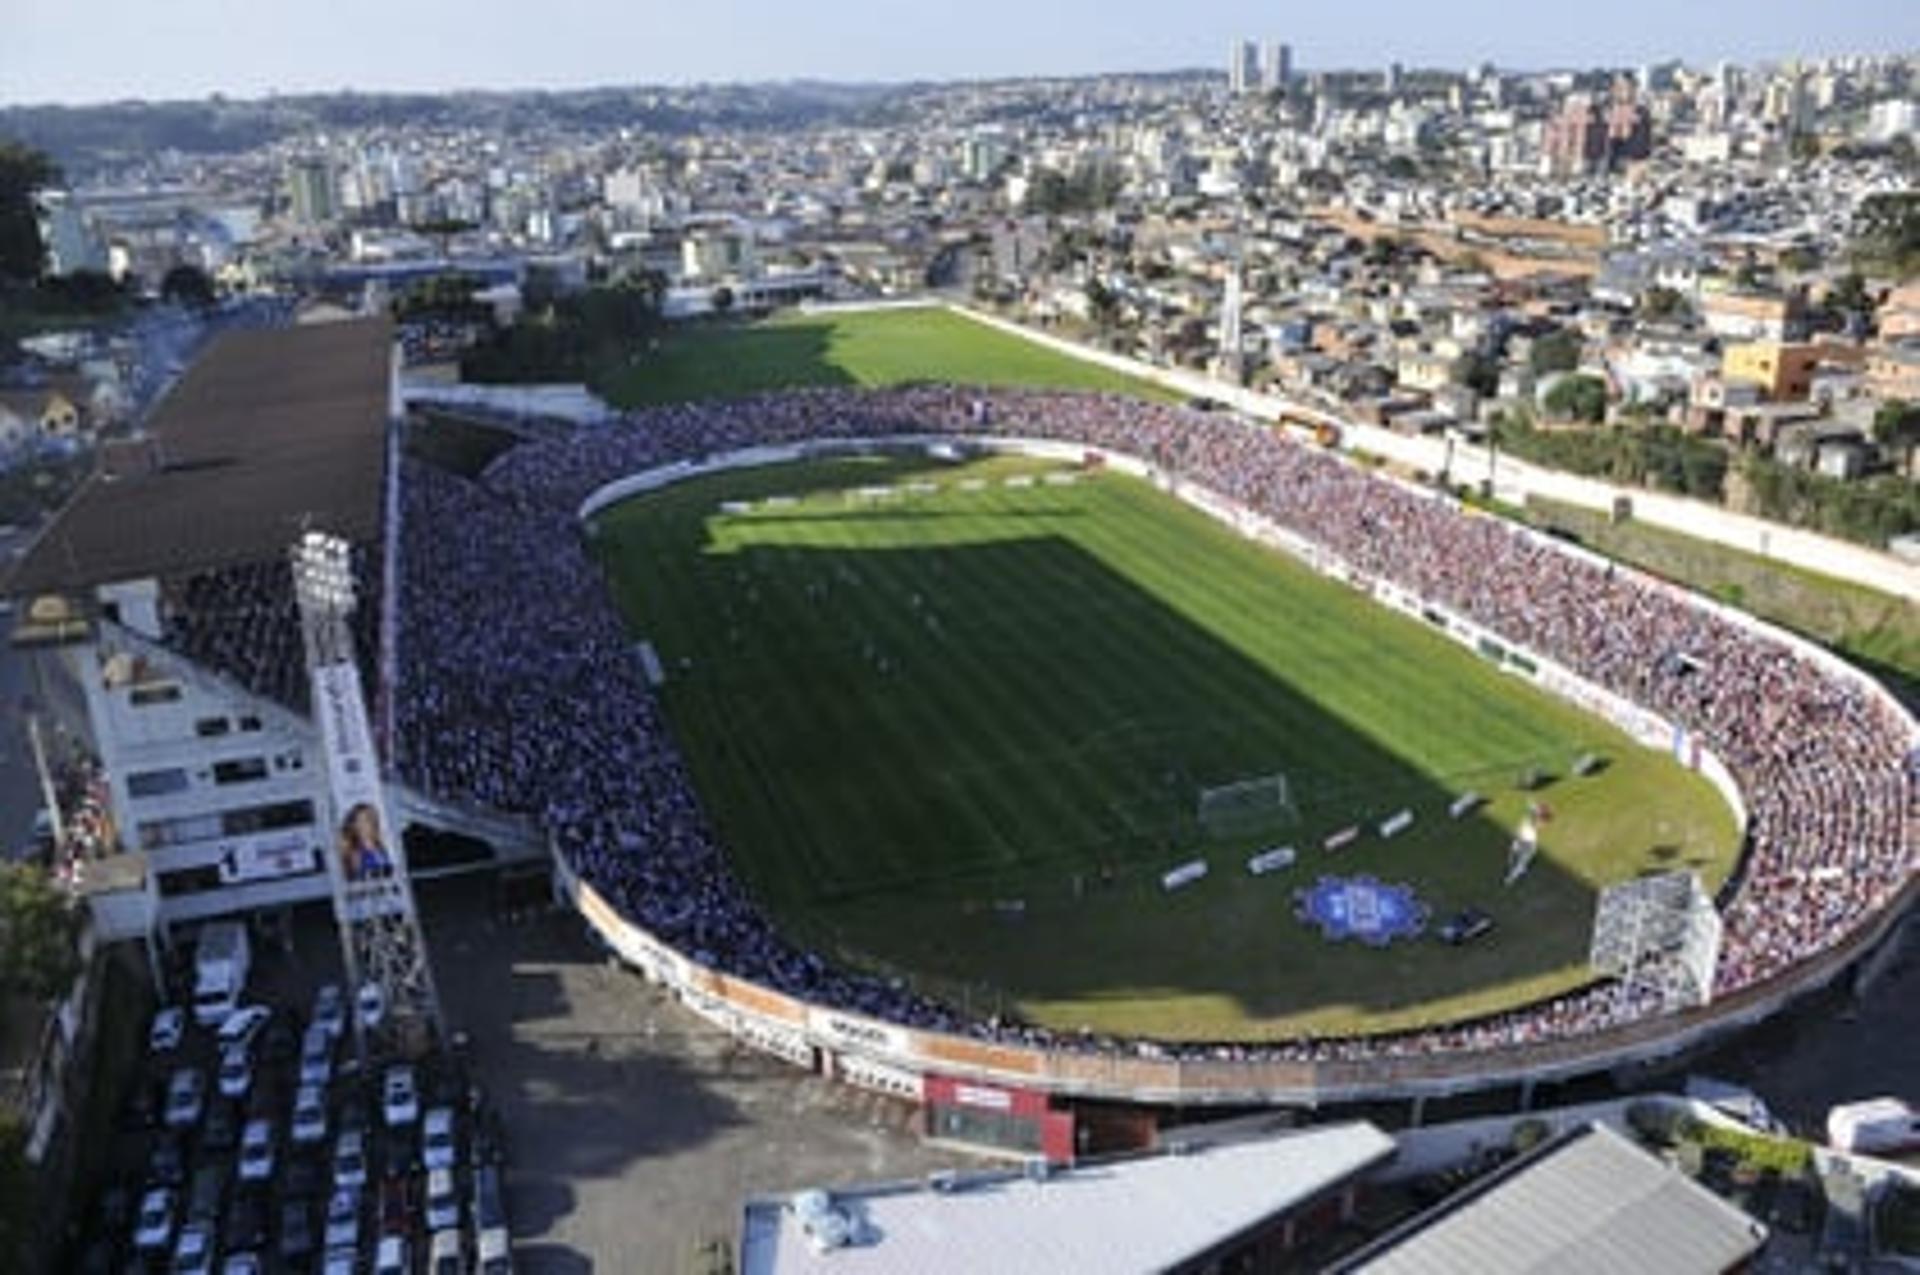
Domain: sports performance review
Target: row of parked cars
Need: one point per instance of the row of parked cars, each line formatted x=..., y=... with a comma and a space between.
x=265, y=1147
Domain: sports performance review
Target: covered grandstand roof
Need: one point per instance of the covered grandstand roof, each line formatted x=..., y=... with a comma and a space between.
x=268, y=432
x=1589, y=1201
x=1151, y=1214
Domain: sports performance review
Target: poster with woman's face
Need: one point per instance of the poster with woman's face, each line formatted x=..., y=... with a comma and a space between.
x=363, y=852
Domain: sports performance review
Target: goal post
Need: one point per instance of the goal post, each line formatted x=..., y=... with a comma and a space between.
x=1246, y=806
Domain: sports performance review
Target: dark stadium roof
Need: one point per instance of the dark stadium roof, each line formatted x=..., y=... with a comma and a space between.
x=268, y=432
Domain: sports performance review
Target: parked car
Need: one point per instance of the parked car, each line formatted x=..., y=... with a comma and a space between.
x=186, y=1099
x=167, y=1161
x=340, y=1261
x=316, y=1056
x=444, y=1256
x=399, y=1097
x=208, y=1192
x=296, y=1230
x=371, y=1004
x=329, y=1010
x=492, y=1255
x=279, y=1043
x=309, y=1124
x=153, y=1225
x=236, y=1071
x=169, y=1026
x=438, y=1146
x=242, y=1264
x=246, y=1221
x=350, y=1160
x=256, y=1151
x=343, y=1219
x=223, y=1126
x=193, y=1251
x=390, y=1258
x=443, y=1201
x=1465, y=926
x=243, y=1024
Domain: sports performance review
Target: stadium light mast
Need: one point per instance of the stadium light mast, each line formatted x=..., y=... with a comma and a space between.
x=380, y=937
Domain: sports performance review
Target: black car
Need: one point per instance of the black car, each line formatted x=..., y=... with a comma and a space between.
x=1465, y=926
x=246, y=1222
x=297, y=1239
x=303, y=1177
x=167, y=1162
x=280, y=1043
x=222, y=1131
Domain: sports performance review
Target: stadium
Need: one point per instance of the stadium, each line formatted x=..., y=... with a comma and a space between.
x=1084, y=746
x=1814, y=761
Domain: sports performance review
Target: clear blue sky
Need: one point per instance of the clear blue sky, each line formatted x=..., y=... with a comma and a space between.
x=93, y=50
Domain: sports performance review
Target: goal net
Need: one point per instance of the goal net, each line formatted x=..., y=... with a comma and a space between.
x=1246, y=806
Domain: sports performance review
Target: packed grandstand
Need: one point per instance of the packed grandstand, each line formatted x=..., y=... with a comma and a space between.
x=517, y=686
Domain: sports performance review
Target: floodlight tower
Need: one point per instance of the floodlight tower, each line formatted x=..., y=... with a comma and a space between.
x=380, y=937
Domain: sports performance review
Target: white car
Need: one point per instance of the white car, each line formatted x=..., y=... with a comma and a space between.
x=399, y=1099
x=391, y=1257
x=243, y=1024
x=443, y=1201
x=186, y=1098
x=343, y=1220
x=236, y=1072
x=329, y=1011
x=309, y=1123
x=492, y=1254
x=438, y=1149
x=256, y=1151
x=169, y=1025
x=242, y=1264
x=193, y=1251
x=153, y=1228
x=371, y=1002
x=316, y=1056
x=340, y=1261
x=350, y=1159
x=444, y=1255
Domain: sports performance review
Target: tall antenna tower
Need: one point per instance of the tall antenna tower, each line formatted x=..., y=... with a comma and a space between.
x=392, y=999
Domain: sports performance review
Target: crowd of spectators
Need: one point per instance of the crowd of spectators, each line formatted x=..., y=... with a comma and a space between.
x=519, y=689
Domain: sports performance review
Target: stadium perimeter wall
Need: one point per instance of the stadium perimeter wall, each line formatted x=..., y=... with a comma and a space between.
x=894, y=1058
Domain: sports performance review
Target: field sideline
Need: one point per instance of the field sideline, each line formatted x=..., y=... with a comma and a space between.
x=868, y=348
x=903, y=712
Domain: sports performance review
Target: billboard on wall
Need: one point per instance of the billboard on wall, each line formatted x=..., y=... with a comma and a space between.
x=365, y=853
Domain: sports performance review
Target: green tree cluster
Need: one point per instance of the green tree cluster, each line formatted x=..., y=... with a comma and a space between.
x=1886, y=231
x=39, y=934
x=1870, y=511
x=1578, y=398
x=1557, y=351
x=1088, y=188
x=577, y=337
x=23, y=173
x=1659, y=456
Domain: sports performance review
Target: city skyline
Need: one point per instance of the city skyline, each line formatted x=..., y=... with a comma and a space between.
x=184, y=51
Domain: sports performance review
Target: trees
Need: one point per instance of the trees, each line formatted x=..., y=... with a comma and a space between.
x=1886, y=230
x=1896, y=426
x=23, y=172
x=39, y=933
x=1659, y=303
x=1558, y=351
x=1479, y=373
x=1578, y=398
x=187, y=285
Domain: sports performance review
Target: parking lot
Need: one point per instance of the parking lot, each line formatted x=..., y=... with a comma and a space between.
x=634, y=1128
x=607, y=1127
x=255, y=1141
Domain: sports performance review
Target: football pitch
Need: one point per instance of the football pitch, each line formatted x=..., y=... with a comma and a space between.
x=952, y=721
x=868, y=348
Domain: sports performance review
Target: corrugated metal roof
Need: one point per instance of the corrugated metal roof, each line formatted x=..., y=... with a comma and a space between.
x=1590, y=1204
x=267, y=430
x=1136, y=1215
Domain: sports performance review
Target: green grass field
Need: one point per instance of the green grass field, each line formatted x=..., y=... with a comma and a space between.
x=867, y=348
x=900, y=713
